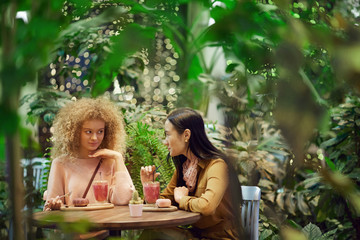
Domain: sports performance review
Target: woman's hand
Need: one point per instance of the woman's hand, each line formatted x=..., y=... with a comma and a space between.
x=111, y=155
x=53, y=204
x=180, y=192
x=147, y=174
x=107, y=153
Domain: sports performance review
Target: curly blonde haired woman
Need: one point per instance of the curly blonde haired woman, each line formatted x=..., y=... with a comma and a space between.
x=86, y=131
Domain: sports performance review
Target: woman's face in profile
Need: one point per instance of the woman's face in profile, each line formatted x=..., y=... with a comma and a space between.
x=174, y=141
x=92, y=135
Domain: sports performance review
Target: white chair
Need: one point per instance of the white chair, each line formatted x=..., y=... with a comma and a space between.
x=38, y=167
x=250, y=211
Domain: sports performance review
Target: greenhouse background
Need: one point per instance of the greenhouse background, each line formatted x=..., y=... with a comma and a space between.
x=276, y=81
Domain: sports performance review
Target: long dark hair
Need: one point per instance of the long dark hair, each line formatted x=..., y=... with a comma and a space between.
x=201, y=147
x=199, y=144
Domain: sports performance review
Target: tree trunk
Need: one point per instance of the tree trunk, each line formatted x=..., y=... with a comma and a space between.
x=16, y=186
x=10, y=101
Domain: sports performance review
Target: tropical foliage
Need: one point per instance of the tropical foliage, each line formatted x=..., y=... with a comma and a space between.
x=145, y=147
x=289, y=90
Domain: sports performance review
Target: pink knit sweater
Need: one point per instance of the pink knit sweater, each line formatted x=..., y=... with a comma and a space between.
x=73, y=174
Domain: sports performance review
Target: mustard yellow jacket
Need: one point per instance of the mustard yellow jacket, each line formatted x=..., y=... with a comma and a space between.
x=211, y=198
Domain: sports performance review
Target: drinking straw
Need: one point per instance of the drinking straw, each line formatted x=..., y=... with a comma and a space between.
x=92, y=178
x=155, y=172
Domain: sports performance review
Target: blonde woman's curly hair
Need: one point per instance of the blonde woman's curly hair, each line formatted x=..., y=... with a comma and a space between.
x=69, y=120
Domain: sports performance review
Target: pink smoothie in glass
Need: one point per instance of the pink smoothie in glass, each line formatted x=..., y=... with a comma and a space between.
x=151, y=192
x=100, y=190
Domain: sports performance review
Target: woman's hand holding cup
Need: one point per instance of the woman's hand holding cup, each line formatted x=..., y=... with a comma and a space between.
x=147, y=174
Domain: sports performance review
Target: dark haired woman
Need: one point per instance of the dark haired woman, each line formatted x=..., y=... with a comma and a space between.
x=201, y=182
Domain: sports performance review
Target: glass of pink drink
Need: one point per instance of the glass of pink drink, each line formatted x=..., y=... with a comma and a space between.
x=151, y=192
x=100, y=188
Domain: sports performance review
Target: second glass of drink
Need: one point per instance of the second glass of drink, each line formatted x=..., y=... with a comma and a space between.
x=151, y=192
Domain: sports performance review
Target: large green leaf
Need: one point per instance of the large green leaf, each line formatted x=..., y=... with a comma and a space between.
x=335, y=141
x=195, y=68
x=312, y=232
x=122, y=47
x=107, y=16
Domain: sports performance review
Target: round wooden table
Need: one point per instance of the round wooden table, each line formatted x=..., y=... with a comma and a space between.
x=117, y=218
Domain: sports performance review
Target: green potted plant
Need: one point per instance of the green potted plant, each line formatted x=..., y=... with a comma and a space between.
x=145, y=132
x=135, y=205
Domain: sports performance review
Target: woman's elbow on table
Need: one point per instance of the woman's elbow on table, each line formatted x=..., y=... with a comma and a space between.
x=124, y=200
x=207, y=210
x=121, y=197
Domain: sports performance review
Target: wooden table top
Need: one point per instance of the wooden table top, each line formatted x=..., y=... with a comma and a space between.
x=117, y=218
